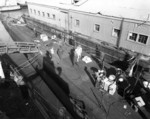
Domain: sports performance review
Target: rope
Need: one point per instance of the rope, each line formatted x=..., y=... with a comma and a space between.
x=28, y=63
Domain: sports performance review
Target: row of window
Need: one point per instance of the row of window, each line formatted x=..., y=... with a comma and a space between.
x=96, y=26
x=40, y=13
x=115, y=32
x=138, y=38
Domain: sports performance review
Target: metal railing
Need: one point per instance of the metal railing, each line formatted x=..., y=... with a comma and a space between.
x=20, y=47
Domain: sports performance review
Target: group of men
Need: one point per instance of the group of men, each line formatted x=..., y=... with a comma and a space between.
x=102, y=81
x=108, y=84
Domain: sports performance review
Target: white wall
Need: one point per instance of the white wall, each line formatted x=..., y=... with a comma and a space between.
x=61, y=18
x=86, y=27
x=106, y=27
x=138, y=28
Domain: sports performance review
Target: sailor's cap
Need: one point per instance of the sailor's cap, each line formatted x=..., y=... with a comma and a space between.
x=101, y=71
x=111, y=77
x=121, y=79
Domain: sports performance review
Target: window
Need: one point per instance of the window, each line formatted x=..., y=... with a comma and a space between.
x=138, y=38
x=132, y=36
x=39, y=13
x=48, y=15
x=77, y=22
x=54, y=16
x=34, y=11
x=43, y=14
x=142, y=39
x=75, y=1
x=116, y=32
x=97, y=27
x=31, y=10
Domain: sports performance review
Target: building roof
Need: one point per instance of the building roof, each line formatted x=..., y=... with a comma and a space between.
x=132, y=9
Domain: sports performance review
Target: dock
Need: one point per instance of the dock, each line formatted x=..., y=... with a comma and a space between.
x=39, y=91
x=79, y=85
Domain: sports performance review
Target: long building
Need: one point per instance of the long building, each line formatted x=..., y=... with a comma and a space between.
x=124, y=24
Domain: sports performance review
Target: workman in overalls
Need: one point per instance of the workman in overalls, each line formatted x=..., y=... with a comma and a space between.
x=77, y=54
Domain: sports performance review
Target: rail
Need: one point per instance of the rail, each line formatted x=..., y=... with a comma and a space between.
x=19, y=47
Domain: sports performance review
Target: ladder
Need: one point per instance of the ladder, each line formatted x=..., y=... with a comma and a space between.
x=19, y=47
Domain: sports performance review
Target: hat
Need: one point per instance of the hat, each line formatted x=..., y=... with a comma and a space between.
x=119, y=71
x=111, y=77
x=101, y=72
x=145, y=83
x=121, y=79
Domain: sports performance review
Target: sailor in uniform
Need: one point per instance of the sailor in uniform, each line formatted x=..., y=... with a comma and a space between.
x=110, y=84
x=99, y=78
x=112, y=87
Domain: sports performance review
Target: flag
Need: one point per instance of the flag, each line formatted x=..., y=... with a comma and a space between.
x=131, y=69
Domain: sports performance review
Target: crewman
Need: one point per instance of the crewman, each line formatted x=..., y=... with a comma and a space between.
x=123, y=85
x=35, y=32
x=146, y=84
x=53, y=37
x=100, y=75
x=119, y=75
x=52, y=50
x=55, y=58
x=60, y=52
x=112, y=87
x=78, y=53
x=118, y=72
x=110, y=84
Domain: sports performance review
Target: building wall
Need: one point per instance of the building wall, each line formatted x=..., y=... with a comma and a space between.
x=138, y=28
x=67, y=19
x=50, y=15
x=107, y=25
x=87, y=23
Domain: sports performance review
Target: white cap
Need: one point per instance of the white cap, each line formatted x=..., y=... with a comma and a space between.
x=111, y=77
x=125, y=106
x=145, y=83
x=118, y=69
x=100, y=71
x=121, y=79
